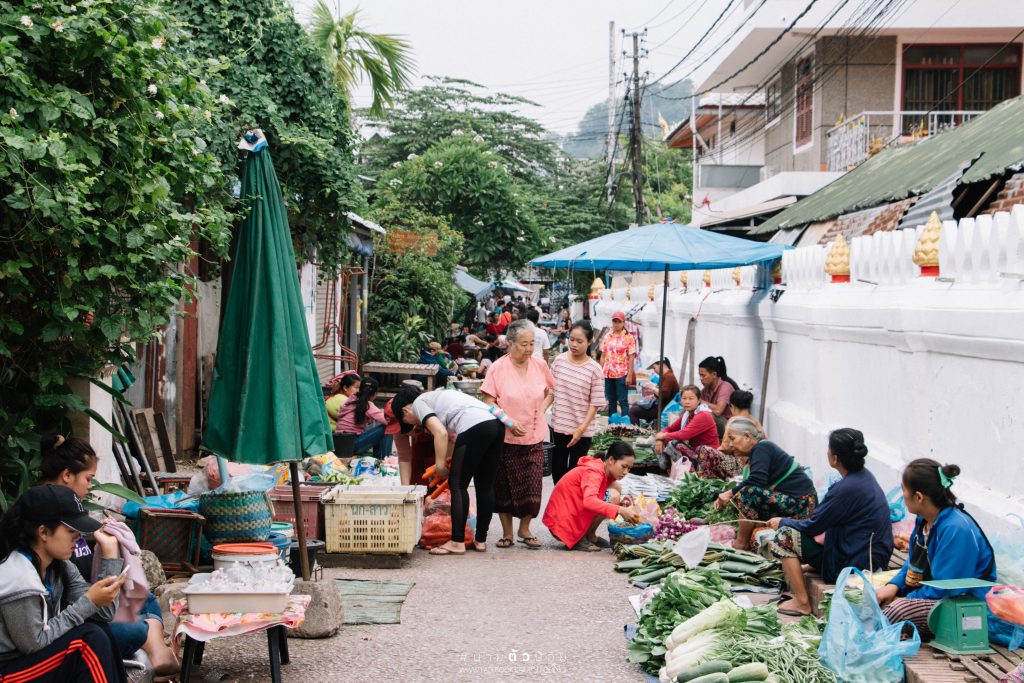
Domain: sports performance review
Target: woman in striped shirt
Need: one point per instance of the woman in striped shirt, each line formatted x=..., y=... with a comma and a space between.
x=578, y=395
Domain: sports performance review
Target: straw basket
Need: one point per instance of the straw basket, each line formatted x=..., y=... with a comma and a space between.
x=242, y=517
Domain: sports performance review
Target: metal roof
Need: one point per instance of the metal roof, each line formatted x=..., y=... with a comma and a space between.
x=996, y=139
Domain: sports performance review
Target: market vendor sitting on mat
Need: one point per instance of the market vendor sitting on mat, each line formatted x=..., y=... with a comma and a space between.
x=579, y=503
x=947, y=543
x=774, y=484
x=694, y=428
x=854, y=517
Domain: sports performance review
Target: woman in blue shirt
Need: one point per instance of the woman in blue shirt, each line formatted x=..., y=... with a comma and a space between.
x=946, y=544
x=854, y=517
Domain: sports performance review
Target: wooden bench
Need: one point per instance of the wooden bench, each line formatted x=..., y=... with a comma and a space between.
x=402, y=370
x=816, y=586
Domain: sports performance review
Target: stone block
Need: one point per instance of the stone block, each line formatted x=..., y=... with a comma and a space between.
x=325, y=614
x=155, y=575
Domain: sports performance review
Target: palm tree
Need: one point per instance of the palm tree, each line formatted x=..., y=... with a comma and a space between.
x=353, y=53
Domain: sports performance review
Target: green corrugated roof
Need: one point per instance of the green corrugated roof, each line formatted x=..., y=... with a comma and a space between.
x=910, y=170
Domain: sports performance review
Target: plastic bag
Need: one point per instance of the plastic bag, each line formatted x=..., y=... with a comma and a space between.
x=1009, y=550
x=897, y=508
x=859, y=644
x=630, y=533
x=680, y=468
x=671, y=412
x=692, y=546
x=1007, y=602
x=437, y=530
x=647, y=509
x=168, y=501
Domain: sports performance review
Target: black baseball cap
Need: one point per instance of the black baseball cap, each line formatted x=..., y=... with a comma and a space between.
x=50, y=504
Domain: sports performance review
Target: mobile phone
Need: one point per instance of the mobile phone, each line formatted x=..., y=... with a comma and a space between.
x=124, y=573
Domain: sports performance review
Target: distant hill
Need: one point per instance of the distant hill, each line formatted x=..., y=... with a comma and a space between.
x=672, y=102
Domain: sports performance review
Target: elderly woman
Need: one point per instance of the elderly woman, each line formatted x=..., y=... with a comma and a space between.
x=521, y=385
x=774, y=484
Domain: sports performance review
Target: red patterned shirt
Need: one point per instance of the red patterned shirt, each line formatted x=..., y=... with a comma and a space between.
x=615, y=352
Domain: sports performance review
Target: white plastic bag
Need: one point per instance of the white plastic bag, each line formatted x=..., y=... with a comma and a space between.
x=692, y=546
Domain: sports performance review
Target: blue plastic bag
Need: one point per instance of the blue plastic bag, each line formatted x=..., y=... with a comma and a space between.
x=859, y=644
x=630, y=533
x=671, y=412
x=168, y=501
x=897, y=508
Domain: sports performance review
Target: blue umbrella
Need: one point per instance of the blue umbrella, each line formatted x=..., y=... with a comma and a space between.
x=661, y=246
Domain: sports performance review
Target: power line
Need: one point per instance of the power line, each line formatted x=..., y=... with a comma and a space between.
x=683, y=25
x=700, y=40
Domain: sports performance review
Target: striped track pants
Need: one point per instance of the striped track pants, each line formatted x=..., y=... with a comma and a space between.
x=914, y=611
x=85, y=654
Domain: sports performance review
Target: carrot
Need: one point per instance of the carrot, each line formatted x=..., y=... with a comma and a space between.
x=429, y=473
x=437, y=492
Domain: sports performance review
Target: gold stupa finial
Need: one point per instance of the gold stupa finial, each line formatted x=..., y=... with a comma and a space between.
x=838, y=262
x=707, y=278
x=737, y=274
x=683, y=279
x=596, y=287
x=926, y=254
x=776, y=271
x=629, y=292
x=650, y=292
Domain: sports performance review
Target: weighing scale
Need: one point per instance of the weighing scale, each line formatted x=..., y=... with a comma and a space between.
x=960, y=622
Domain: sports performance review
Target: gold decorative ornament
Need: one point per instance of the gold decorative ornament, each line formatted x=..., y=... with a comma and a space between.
x=737, y=275
x=629, y=292
x=650, y=292
x=776, y=271
x=926, y=254
x=707, y=278
x=683, y=279
x=596, y=287
x=838, y=262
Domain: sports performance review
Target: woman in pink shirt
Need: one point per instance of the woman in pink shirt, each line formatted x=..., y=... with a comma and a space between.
x=718, y=387
x=618, y=354
x=361, y=417
x=521, y=385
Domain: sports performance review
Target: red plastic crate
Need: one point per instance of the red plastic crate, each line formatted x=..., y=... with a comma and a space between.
x=312, y=509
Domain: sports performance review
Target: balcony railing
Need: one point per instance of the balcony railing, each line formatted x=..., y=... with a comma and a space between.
x=869, y=132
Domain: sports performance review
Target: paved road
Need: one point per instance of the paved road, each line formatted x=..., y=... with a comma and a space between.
x=560, y=614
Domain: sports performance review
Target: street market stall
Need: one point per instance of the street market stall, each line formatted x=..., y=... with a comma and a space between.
x=661, y=247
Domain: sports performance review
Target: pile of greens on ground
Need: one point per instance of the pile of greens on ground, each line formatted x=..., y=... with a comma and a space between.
x=649, y=562
x=728, y=643
x=694, y=498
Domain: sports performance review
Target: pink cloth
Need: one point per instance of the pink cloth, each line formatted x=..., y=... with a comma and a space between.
x=615, y=352
x=720, y=394
x=522, y=398
x=135, y=590
x=346, y=421
x=577, y=387
x=204, y=627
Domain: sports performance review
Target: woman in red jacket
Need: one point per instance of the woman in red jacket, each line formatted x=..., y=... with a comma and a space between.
x=582, y=498
x=694, y=430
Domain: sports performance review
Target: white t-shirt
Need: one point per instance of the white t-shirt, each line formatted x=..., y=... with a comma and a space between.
x=458, y=412
x=541, y=342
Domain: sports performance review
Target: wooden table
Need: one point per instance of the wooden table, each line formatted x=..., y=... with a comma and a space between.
x=404, y=369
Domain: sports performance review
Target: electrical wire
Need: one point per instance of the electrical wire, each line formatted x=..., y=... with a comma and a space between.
x=700, y=40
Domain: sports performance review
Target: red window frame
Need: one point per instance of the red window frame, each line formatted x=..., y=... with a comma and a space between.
x=963, y=68
x=804, y=111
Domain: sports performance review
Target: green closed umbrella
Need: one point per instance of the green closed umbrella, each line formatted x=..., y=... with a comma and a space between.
x=266, y=404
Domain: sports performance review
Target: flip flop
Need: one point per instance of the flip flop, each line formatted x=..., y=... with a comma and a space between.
x=531, y=542
x=441, y=550
x=473, y=546
x=505, y=542
x=587, y=547
x=602, y=543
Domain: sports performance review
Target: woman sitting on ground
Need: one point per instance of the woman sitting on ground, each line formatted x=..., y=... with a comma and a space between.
x=53, y=624
x=740, y=402
x=774, y=484
x=72, y=463
x=342, y=387
x=718, y=387
x=947, y=543
x=854, y=517
x=694, y=429
x=584, y=497
x=361, y=417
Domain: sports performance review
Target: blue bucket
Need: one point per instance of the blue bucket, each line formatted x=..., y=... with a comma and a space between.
x=281, y=542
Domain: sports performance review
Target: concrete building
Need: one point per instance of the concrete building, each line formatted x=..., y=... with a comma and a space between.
x=834, y=86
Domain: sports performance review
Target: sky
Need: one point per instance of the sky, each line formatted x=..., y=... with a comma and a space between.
x=553, y=52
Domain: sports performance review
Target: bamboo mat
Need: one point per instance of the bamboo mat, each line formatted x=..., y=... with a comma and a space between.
x=372, y=602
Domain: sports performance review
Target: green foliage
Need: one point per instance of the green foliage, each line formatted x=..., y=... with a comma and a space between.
x=413, y=293
x=425, y=117
x=270, y=74
x=668, y=178
x=463, y=179
x=106, y=178
x=353, y=53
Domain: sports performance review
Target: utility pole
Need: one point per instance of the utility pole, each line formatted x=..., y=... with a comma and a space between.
x=610, y=142
x=636, y=135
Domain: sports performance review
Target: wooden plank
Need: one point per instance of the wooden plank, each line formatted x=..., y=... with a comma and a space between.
x=975, y=667
x=145, y=424
x=165, y=443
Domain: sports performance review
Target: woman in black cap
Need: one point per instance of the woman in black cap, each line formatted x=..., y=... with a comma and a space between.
x=53, y=624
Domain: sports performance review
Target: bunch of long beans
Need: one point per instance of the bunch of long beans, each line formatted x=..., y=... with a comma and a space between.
x=788, y=661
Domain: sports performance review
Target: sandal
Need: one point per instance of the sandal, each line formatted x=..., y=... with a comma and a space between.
x=441, y=550
x=601, y=543
x=504, y=542
x=478, y=546
x=531, y=542
x=586, y=546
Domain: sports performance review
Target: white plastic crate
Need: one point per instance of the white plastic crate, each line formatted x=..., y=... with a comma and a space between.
x=373, y=520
